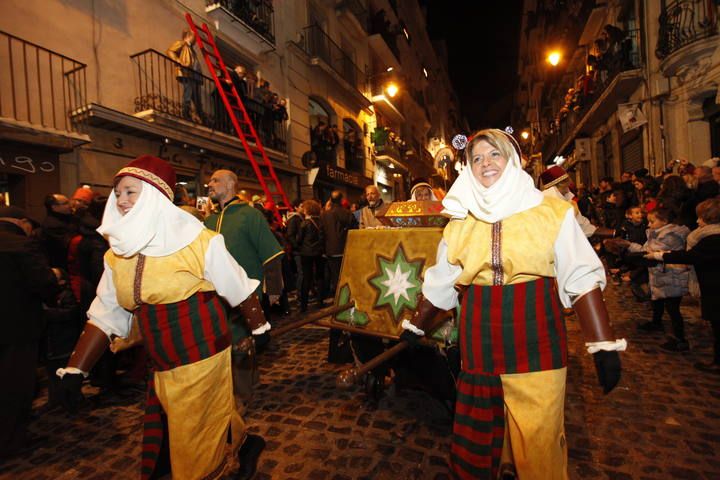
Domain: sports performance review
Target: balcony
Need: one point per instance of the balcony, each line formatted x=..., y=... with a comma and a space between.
x=327, y=55
x=250, y=23
x=354, y=15
x=39, y=91
x=383, y=39
x=160, y=99
x=388, y=106
x=687, y=33
x=389, y=148
x=595, y=96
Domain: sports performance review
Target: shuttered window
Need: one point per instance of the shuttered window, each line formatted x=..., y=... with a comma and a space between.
x=632, y=155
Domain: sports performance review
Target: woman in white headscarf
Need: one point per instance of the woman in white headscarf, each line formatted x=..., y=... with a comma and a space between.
x=510, y=257
x=422, y=191
x=169, y=272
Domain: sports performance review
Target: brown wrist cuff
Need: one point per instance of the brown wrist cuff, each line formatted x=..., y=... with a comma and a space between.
x=89, y=348
x=424, y=314
x=253, y=312
x=593, y=316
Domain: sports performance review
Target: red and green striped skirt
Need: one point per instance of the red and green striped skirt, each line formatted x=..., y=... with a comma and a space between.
x=177, y=334
x=503, y=329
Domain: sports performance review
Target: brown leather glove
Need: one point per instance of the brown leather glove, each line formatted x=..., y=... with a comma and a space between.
x=253, y=312
x=602, y=232
x=593, y=317
x=89, y=348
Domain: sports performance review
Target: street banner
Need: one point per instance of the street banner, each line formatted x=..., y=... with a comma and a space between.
x=582, y=150
x=383, y=271
x=631, y=116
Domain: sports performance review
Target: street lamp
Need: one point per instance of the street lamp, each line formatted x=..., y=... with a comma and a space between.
x=391, y=89
x=554, y=58
x=525, y=134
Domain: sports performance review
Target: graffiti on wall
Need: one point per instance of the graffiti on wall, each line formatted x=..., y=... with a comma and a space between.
x=27, y=164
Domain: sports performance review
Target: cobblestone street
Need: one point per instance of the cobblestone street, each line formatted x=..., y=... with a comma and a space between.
x=662, y=422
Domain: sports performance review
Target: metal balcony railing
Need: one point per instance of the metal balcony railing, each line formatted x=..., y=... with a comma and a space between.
x=683, y=22
x=257, y=14
x=161, y=88
x=39, y=86
x=316, y=43
x=588, y=88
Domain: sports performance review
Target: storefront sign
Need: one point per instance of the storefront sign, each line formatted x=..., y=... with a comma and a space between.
x=331, y=174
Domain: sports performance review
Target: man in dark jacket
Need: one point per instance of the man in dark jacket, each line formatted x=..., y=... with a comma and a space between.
x=58, y=228
x=292, y=229
x=336, y=223
x=25, y=282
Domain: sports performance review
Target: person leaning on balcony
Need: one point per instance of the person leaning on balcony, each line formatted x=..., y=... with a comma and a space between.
x=183, y=52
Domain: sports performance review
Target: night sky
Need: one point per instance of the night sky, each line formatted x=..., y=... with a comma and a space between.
x=482, y=42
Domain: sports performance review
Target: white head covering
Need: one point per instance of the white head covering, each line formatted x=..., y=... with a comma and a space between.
x=512, y=193
x=153, y=226
x=420, y=185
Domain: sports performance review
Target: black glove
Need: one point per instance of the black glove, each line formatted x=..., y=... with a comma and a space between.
x=70, y=391
x=411, y=338
x=607, y=365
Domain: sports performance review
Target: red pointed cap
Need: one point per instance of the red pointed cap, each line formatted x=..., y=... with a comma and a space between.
x=153, y=170
x=553, y=176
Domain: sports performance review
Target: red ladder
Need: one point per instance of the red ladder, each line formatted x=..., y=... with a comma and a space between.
x=233, y=104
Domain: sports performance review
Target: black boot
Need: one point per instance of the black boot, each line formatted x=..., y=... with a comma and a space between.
x=249, y=455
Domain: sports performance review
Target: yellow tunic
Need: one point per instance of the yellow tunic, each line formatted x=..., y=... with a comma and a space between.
x=196, y=398
x=526, y=244
x=168, y=279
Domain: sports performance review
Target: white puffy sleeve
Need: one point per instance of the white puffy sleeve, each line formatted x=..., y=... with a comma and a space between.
x=104, y=311
x=577, y=266
x=439, y=283
x=230, y=280
x=585, y=225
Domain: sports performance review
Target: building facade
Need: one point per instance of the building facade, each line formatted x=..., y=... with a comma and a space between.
x=81, y=97
x=635, y=84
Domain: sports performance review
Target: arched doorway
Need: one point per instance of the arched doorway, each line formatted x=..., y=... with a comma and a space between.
x=324, y=137
x=353, y=146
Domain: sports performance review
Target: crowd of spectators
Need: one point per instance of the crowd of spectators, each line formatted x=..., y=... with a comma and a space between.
x=666, y=230
x=266, y=108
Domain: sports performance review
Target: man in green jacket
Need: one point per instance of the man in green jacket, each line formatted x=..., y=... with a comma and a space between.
x=251, y=243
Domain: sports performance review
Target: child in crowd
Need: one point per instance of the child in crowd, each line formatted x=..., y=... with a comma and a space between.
x=703, y=251
x=668, y=282
x=633, y=230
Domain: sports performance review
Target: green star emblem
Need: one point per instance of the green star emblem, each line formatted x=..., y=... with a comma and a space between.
x=397, y=282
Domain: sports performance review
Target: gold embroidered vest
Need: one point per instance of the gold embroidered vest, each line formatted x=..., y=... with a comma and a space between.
x=515, y=250
x=166, y=279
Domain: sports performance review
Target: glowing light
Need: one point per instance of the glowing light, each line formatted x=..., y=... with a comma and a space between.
x=554, y=58
x=392, y=90
x=525, y=134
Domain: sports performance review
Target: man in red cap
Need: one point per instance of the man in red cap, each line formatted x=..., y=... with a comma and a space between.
x=555, y=182
x=81, y=199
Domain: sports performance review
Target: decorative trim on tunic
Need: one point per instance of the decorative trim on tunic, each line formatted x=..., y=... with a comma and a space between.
x=496, y=259
x=137, y=282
